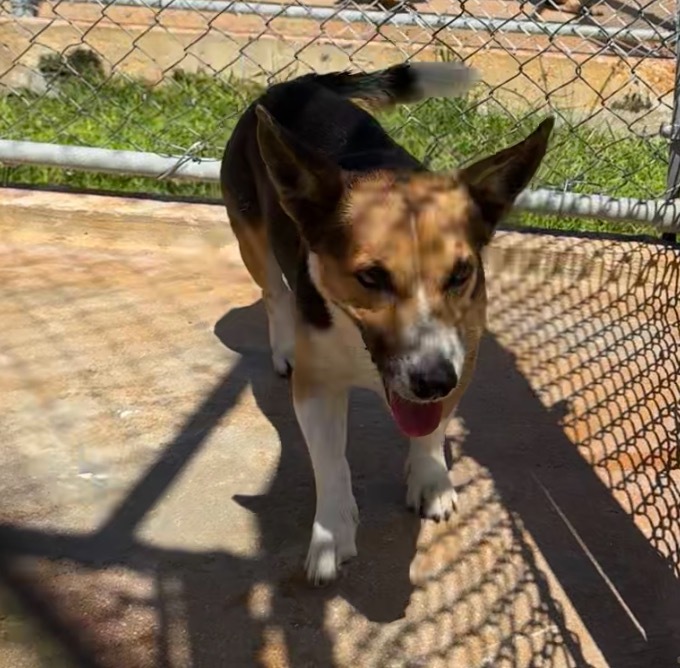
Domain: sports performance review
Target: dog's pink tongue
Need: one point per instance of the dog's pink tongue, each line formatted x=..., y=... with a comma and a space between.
x=415, y=419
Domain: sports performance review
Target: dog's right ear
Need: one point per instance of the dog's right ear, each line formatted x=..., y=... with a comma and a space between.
x=308, y=184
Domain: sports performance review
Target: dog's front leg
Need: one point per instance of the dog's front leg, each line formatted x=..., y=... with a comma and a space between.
x=429, y=489
x=322, y=414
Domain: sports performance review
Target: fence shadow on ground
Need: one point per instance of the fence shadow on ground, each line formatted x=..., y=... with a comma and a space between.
x=562, y=454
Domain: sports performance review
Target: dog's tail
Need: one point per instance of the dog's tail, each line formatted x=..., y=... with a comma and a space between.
x=405, y=83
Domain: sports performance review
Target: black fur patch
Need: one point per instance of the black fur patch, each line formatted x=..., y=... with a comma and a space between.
x=311, y=305
x=398, y=83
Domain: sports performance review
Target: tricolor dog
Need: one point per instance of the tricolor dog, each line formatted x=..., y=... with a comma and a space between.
x=370, y=268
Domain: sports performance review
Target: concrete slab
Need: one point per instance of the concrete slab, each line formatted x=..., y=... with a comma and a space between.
x=157, y=496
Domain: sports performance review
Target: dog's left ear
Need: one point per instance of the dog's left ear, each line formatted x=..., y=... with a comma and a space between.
x=496, y=181
x=308, y=184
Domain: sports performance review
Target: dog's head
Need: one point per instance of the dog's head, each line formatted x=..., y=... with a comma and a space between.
x=401, y=255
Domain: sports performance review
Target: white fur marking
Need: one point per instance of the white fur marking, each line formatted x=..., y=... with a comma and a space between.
x=428, y=335
x=281, y=331
x=423, y=302
x=278, y=300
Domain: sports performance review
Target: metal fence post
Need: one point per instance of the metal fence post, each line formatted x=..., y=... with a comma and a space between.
x=673, y=133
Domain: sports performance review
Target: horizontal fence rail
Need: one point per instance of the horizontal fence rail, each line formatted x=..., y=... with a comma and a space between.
x=427, y=20
x=662, y=213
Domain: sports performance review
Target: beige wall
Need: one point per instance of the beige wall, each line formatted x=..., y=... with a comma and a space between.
x=132, y=44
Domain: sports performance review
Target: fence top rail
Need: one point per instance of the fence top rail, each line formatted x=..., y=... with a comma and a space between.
x=426, y=20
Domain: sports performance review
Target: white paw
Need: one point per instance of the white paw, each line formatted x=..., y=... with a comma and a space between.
x=430, y=492
x=330, y=547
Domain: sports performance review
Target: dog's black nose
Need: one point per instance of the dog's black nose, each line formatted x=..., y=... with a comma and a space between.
x=433, y=378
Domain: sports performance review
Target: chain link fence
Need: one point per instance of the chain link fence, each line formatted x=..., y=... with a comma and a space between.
x=157, y=493
x=132, y=370
x=162, y=82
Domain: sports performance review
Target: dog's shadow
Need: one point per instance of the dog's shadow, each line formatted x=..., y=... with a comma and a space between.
x=377, y=582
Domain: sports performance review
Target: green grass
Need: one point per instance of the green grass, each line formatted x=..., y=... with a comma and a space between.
x=200, y=111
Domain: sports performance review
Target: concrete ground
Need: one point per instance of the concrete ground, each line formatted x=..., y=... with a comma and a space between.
x=157, y=497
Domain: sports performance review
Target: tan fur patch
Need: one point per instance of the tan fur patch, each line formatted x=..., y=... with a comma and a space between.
x=254, y=247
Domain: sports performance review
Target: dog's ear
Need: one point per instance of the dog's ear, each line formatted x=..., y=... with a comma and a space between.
x=496, y=181
x=308, y=184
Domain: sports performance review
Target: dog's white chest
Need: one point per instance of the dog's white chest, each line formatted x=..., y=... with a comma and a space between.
x=342, y=355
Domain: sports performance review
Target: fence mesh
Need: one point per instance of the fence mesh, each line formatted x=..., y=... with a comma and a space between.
x=157, y=494
x=158, y=498
x=172, y=77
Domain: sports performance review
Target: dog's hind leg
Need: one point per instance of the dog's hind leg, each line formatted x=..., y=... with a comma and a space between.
x=278, y=300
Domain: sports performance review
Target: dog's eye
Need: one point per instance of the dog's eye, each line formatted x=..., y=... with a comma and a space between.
x=375, y=278
x=459, y=276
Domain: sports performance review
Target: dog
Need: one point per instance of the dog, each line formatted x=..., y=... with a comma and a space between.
x=370, y=269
